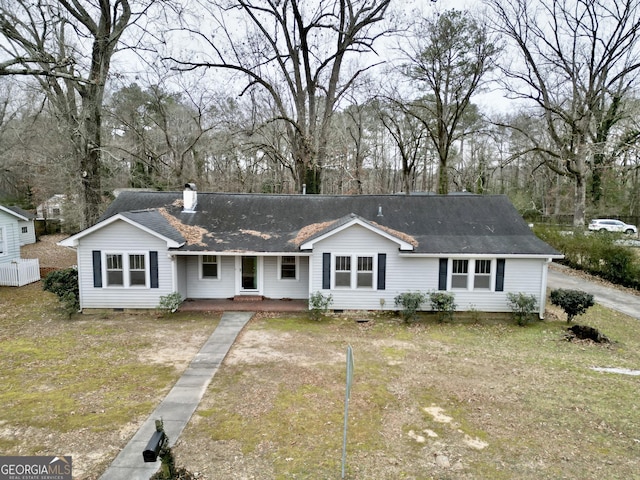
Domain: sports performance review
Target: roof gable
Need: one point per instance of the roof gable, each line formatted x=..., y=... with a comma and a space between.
x=151, y=222
x=405, y=242
x=18, y=212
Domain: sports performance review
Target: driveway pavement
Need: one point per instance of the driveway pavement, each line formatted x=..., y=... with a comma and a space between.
x=613, y=298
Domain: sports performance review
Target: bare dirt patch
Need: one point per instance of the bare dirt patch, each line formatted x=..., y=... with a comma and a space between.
x=49, y=253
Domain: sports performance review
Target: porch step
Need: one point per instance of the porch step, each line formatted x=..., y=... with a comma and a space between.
x=248, y=298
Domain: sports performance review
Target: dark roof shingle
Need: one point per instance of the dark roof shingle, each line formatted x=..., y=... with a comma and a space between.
x=440, y=224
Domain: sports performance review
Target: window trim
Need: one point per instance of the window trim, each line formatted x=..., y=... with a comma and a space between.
x=353, y=279
x=201, y=271
x=126, y=271
x=296, y=259
x=107, y=270
x=370, y=271
x=469, y=263
x=471, y=275
x=335, y=271
x=490, y=276
x=145, y=269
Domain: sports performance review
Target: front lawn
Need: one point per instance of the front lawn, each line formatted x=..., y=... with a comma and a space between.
x=479, y=399
x=483, y=400
x=83, y=386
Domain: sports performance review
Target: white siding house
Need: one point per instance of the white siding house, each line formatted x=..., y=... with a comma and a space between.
x=134, y=268
x=16, y=229
x=361, y=250
x=9, y=235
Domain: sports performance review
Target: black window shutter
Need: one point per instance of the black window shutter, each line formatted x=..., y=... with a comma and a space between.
x=97, y=269
x=442, y=274
x=153, y=269
x=382, y=270
x=326, y=271
x=500, y=275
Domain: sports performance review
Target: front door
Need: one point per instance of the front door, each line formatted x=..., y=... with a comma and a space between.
x=250, y=273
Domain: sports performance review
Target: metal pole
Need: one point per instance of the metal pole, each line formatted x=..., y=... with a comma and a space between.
x=346, y=406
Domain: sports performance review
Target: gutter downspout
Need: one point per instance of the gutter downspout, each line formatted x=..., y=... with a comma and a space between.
x=543, y=288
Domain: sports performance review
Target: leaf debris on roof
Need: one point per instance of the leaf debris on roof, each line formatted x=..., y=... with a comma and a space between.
x=264, y=236
x=397, y=234
x=310, y=230
x=192, y=234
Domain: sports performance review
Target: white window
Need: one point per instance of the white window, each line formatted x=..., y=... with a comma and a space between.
x=25, y=229
x=354, y=271
x=482, y=277
x=209, y=266
x=343, y=272
x=365, y=272
x=459, y=274
x=115, y=272
x=126, y=270
x=288, y=267
x=137, y=271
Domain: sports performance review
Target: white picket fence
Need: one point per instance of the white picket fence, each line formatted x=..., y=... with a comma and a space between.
x=19, y=272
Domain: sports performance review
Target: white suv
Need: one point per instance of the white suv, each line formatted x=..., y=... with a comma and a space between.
x=609, y=225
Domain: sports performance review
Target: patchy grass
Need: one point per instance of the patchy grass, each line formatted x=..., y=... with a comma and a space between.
x=471, y=399
x=487, y=399
x=82, y=386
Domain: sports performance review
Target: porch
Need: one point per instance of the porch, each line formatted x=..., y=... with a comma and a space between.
x=246, y=304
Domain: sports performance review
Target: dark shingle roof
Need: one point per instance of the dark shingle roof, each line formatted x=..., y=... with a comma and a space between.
x=21, y=212
x=440, y=224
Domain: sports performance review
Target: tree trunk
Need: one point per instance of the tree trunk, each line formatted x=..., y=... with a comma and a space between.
x=90, y=157
x=580, y=200
x=443, y=178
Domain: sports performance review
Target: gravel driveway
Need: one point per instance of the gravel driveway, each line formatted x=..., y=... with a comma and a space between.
x=623, y=300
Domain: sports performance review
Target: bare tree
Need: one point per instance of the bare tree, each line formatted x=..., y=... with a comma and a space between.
x=161, y=135
x=68, y=45
x=448, y=56
x=578, y=61
x=409, y=137
x=296, y=53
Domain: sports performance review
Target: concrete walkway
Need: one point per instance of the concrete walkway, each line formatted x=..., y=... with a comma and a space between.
x=180, y=403
x=616, y=299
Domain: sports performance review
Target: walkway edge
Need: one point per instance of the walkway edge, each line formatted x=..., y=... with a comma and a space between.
x=181, y=402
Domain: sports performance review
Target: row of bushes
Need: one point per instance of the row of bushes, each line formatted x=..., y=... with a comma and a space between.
x=522, y=305
x=64, y=283
x=601, y=254
x=572, y=302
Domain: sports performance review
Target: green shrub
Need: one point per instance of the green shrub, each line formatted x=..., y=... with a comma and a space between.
x=600, y=254
x=444, y=304
x=170, y=303
x=410, y=303
x=319, y=304
x=522, y=306
x=573, y=302
x=64, y=283
x=620, y=266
